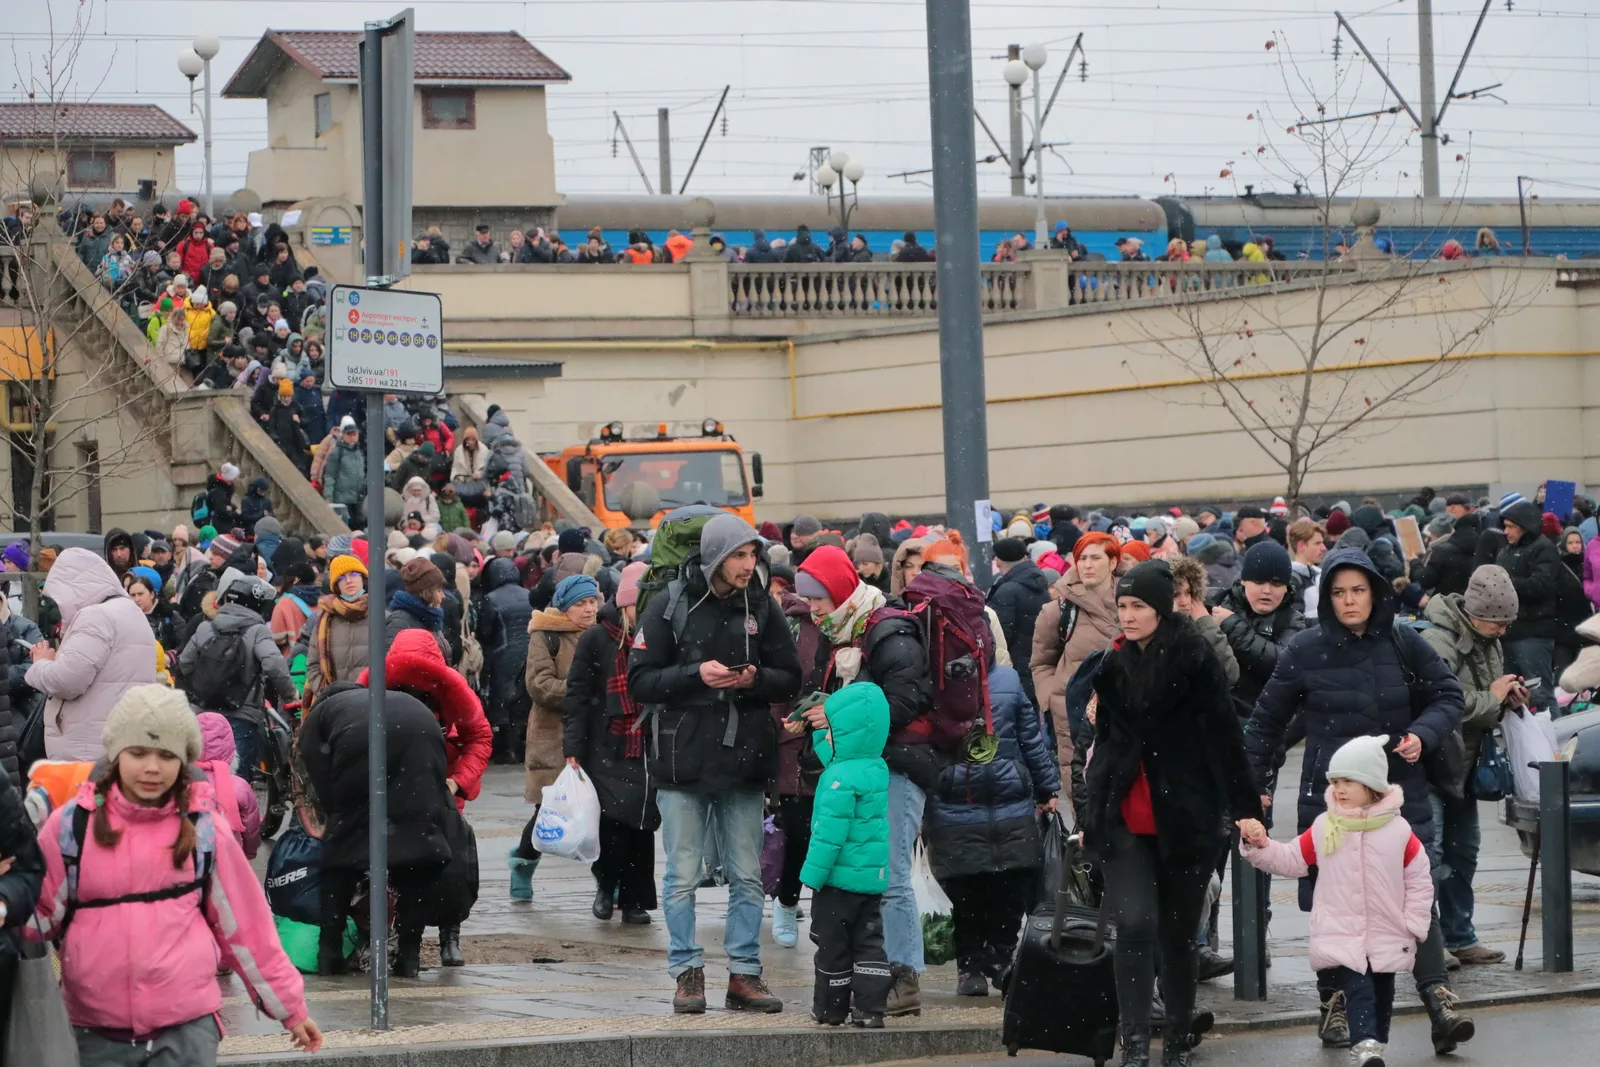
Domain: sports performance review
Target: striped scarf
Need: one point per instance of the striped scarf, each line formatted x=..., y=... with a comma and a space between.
x=625, y=725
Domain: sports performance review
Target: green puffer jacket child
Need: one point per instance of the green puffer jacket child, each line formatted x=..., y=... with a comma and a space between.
x=850, y=820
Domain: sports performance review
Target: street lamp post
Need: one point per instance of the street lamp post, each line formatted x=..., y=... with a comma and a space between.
x=840, y=165
x=1016, y=72
x=193, y=62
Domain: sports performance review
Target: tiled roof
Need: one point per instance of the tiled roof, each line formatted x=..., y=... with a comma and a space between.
x=440, y=57
x=100, y=123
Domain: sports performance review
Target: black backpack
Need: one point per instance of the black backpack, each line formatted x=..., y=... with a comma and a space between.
x=223, y=675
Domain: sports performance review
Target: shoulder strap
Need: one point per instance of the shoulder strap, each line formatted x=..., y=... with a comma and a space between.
x=71, y=840
x=1068, y=624
x=552, y=641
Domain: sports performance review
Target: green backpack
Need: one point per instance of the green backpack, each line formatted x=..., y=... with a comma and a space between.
x=677, y=539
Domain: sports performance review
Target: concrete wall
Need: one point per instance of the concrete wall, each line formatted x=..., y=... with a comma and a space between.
x=19, y=166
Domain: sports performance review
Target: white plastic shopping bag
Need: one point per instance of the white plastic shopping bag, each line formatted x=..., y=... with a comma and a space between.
x=938, y=929
x=569, y=819
x=1530, y=738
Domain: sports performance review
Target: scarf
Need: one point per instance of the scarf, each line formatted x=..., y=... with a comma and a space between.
x=329, y=606
x=432, y=618
x=1338, y=826
x=846, y=624
x=625, y=725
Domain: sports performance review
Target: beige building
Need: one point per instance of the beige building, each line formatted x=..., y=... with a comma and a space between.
x=88, y=148
x=482, y=149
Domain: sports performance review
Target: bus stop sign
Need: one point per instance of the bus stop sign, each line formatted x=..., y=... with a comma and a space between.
x=385, y=340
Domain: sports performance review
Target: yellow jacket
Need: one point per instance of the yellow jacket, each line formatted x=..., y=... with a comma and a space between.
x=200, y=324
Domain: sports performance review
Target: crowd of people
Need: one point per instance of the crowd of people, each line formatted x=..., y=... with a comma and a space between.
x=864, y=689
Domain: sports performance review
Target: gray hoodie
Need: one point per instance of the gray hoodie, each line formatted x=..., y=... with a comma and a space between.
x=721, y=538
x=267, y=659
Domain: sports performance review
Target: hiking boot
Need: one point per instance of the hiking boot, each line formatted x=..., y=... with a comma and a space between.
x=972, y=984
x=450, y=947
x=690, y=999
x=521, y=876
x=785, y=925
x=1450, y=1027
x=1367, y=1053
x=867, y=1020
x=635, y=917
x=747, y=992
x=905, y=995
x=604, y=903
x=1135, y=1048
x=1477, y=956
x=1212, y=964
x=1177, y=1051
x=1450, y=962
x=1334, y=1030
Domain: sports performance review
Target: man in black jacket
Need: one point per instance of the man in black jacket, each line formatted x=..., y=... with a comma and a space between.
x=1016, y=596
x=712, y=654
x=1258, y=618
x=503, y=633
x=1535, y=569
x=1450, y=561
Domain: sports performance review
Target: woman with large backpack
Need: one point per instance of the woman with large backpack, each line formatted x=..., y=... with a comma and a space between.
x=142, y=894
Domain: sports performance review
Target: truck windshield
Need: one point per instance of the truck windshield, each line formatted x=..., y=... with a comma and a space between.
x=677, y=478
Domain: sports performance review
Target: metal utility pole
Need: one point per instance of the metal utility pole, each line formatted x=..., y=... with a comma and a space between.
x=1430, y=128
x=620, y=128
x=964, y=406
x=1019, y=179
x=695, y=162
x=664, y=139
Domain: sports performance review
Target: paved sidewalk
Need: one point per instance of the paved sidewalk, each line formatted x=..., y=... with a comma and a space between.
x=549, y=971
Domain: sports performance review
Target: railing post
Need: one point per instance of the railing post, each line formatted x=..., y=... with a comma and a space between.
x=710, y=302
x=1047, y=277
x=1555, y=855
x=1249, y=930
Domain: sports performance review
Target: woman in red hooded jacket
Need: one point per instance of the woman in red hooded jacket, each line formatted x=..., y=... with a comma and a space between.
x=195, y=251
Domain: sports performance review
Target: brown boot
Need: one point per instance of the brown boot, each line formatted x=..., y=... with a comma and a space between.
x=747, y=992
x=690, y=999
x=905, y=996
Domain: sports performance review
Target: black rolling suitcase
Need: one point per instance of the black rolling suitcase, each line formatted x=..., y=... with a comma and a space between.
x=1061, y=993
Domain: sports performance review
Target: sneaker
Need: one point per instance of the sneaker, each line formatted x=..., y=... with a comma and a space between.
x=905, y=995
x=747, y=992
x=1335, y=1027
x=1477, y=956
x=690, y=999
x=972, y=984
x=1213, y=964
x=1450, y=1027
x=1368, y=1053
x=785, y=925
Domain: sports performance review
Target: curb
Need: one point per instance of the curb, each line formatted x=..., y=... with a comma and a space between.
x=792, y=1047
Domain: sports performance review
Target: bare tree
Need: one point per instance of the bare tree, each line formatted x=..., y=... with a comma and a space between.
x=1308, y=364
x=81, y=410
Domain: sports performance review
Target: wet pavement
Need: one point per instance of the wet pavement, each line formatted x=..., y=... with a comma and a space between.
x=549, y=968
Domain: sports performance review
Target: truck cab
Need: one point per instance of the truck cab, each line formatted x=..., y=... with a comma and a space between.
x=633, y=481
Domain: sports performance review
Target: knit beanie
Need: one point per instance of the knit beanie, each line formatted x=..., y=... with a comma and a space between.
x=569, y=541
x=1184, y=528
x=224, y=545
x=343, y=565
x=339, y=544
x=505, y=541
x=1012, y=549
x=285, y=388
x=152, y=716
x=827, y=572
x=1266, y=561
x=1550, y=525
x=420, y=577
x=1364, y=760
x=1338, y=522
x=628, y=584
x=575, y=588
x=867, y=549
x=1136, y=550
x=229, y=473
x=17, y=554
x=1151, y=582
x=1490, y=595
x=806, y=526
x=1039, y=549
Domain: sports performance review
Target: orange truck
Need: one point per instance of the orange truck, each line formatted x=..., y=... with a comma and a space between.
x=633, y=481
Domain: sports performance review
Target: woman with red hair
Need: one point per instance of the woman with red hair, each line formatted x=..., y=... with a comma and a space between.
x=1079, y=619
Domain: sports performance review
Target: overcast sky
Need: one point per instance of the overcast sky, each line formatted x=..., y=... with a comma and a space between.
x=1175, y=94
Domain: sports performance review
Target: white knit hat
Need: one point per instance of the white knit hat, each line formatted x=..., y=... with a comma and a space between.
x=1364, y=760
x=152, y=716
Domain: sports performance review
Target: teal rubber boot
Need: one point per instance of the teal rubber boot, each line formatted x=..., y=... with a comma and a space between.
x=521, y=875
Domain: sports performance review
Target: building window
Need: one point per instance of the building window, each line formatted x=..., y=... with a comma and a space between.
x=92, y=170
x=322, y=103
x=449, y=109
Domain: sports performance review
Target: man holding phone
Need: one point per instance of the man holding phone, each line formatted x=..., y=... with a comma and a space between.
x=713, y=653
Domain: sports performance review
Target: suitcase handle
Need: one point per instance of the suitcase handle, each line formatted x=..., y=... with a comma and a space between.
x=1069, y=856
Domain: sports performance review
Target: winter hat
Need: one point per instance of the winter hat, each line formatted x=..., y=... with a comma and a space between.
x=1338, y=522
x=1266, y=561
x=17, y=554
x=1364, y=760
x=506, y=541
x=1355, y=537
x=208, y=534
x=343, y=565
x=1020, y=528
x=573, y=589
x=1441, y=525
x=1279, y=507
x=224, y=544
x=226, y=306
x=347, y=423
x=806, y=526
x=769, y=531
x=420, y=577
x=149, y=574
x=628, y=584
x=1249, y=511
x=152, y=716
x=1013, y=549
x=285, y=388
x=1041, y=513
x=1158, y=526
x=827, y=572
x=570, y=541
x=1151, y=582
x=1511, y=498
x=1136, y=550
x=1184, y=528
x=200, y=297
x=782, y=572
x=1038, y=550
x=339, y=544
x=1550, y=526
x=1198, y=541
x=229, y=473
x=867, y=549
x=1490, y=595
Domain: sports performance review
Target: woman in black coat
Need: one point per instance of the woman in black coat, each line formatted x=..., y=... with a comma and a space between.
x=600, y=735
x=1168, y=775
x=19, y=886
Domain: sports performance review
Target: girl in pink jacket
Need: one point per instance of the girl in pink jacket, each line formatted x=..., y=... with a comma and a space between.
x=146, y=894
x=1374, y=894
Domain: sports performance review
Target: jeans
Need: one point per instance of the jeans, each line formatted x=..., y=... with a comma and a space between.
x=1456, y=828
x=737, y=824
x=1368, y=1002
x=1157, y=904
x=902, y=924
x=1534, y=657
x=247, y=743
